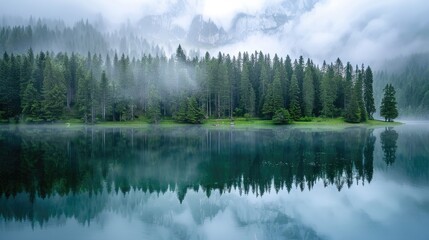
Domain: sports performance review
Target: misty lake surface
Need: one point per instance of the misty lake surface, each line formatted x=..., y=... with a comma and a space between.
x=198, y=183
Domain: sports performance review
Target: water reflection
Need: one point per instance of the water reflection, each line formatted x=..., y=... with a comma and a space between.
x=46, y=162
x=160, y=176
x=388, y=143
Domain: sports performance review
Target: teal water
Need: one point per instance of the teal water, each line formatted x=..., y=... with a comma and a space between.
x=197, y=183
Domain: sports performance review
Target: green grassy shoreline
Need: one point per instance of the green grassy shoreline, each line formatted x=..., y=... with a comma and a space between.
x=222, y=123
x=315, y=123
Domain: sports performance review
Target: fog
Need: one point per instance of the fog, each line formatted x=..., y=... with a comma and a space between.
x=356, y=31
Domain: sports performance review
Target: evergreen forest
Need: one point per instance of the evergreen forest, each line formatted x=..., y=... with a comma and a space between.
x=49, y=86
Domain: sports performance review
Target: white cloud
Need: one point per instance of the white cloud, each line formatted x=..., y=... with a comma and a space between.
x=362, y=30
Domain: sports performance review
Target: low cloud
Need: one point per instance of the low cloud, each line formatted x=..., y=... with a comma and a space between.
x=362, y=31
x=357, y=31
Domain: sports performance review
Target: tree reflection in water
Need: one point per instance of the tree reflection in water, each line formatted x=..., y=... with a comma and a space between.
x=78, y=169
x=388, y=143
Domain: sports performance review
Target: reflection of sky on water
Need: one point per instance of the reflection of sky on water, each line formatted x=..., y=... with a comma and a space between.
x=384, y=209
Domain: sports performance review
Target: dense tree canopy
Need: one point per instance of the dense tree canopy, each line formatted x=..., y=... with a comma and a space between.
x=49, y=86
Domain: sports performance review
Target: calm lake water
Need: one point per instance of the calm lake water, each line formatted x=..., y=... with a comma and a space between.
x=197, y=183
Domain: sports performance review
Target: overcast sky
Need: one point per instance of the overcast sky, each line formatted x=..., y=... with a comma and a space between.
x=351, y=29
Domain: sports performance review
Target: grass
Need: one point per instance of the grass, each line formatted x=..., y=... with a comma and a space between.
x=308, y=123
x=238, y=122
x=339, y=123
x=142, y=123
x=244, y=123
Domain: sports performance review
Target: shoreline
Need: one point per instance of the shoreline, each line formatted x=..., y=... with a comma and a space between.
x=239, y=123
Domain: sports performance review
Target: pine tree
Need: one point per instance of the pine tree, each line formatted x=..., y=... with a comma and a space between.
x=30, y=103
x=194, y=114
x=231, y=84
x=273, y=100
x=388, y=108
x=328, y=92
x=261, y=75
x=247, y=94
x=38, y=74
x=252, y=101
x=4, y=75
x=299, y=73
x=352, y=112
x=10, y=101
x=358, y=91
x=340, y=88
x=87, y=97
x=267, y=108
x=26, y=72
x=294, y=108
x=368, y=93
x=308, y=89
x=71, y=81
x=348, y=86
x=54, y=92
x=263, y=83
x=180, y=54
x=180, y=114
x=277, y=91
x=104, y=95
x=153, y=108
x=189, y=111
x=53, y=103
x=223, y=89
x=288, y=74
x=318, y=103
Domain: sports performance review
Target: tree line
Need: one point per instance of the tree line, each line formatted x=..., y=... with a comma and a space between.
x=82, y=37
x=48, y=87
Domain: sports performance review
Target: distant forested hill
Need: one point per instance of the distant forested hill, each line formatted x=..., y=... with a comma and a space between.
x=410, y=77
x=82, y=37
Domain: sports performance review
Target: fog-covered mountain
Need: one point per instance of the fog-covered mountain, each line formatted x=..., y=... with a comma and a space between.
x=151, y=33
x=204, y=32
x=361, y=31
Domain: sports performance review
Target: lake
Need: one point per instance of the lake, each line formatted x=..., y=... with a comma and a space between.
x=198, y=183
